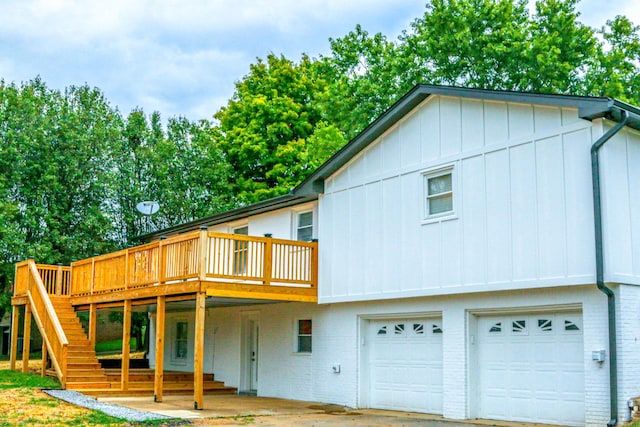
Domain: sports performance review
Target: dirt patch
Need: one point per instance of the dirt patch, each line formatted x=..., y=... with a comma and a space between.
x=333, y=409
x=34, y=365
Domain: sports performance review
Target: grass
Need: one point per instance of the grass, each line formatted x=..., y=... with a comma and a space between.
x=23, y=403
x=113, y=346
x=15, y=379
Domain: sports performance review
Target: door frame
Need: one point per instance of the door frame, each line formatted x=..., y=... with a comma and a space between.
x=249, y=342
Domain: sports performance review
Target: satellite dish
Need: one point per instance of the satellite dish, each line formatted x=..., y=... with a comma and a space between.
x=148, y=208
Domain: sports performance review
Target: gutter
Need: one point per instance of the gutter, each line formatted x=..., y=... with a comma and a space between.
x=611, y=299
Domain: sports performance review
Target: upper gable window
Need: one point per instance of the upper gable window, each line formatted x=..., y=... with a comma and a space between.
x=439, y=193
x=304, y=226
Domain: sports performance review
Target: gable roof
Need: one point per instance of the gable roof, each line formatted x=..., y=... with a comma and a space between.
x=589, y=108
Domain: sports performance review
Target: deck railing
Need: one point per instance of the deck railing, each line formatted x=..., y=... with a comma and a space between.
x=55, y=278
x=199, y=255
x=46, y=318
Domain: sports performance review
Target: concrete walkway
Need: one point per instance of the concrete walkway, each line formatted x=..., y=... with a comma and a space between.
x=233, y=410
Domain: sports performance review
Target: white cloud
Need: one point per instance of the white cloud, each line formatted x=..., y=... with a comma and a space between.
x=182, y=57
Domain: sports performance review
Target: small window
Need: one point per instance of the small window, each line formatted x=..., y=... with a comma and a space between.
x=496, y=328
x=240, y=251
x=399, y=329
x=439, y=194
x=436, y=329
x=545, y=325
x=180, y=343
x=570, y=326
x=304, y=230
x=418, y=328
x=518, y=326
x=304, y=336
x=382, y=331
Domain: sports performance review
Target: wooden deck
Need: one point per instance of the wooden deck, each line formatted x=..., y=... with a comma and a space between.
x=190, y=266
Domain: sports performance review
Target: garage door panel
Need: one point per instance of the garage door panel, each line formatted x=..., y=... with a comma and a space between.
x=405, y=365
x=530, y=368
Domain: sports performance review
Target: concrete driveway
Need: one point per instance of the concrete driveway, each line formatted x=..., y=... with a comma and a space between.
x=233, y=410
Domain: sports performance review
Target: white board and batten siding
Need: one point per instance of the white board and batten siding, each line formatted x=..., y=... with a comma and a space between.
x=522, y=194
x=280, y=223
x=620, y=163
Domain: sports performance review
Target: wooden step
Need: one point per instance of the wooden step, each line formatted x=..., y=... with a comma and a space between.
x=166, y=389
x=83, y=365
x=86, y=372
x=81, y=353
x=81, y=360
x=150, y=376
x=148, y=385
x=87, y=385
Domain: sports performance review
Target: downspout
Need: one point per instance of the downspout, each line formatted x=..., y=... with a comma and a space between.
x=611, y=299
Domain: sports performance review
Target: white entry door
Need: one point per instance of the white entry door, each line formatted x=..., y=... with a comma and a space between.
x=405, y=365
x=250, y=352
x=531, y=368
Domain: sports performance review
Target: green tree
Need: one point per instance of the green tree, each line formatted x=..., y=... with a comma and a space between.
x=615, y=70
x=560, y=49
x=475, y=43
x=365, y=75
x=272, y=107
x=56, y=174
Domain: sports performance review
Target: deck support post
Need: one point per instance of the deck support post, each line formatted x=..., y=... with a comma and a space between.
x=92, y=325
x=26, y=338
x=43, y=369
x=15, y=327
x=198, y=356
x=204, y=247
x=159, y=371
x=126, y=344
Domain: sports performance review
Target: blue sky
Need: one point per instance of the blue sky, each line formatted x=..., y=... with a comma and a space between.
x=182, y=57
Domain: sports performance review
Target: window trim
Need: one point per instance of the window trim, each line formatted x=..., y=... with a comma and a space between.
x=240, y=262
x=174, y=347
x=297, y=335
x=435, y=173
x=296, y=226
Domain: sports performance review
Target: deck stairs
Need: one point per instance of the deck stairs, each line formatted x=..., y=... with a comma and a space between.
x=83, y=369
x=141, y=383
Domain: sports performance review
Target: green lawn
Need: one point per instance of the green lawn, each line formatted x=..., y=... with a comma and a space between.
x=113, y=346
x=23, y=403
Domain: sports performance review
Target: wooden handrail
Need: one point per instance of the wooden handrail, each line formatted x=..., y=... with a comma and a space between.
x=47, y=320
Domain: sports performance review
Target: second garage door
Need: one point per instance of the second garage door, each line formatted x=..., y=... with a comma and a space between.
x=531, y=368
x=405, y=365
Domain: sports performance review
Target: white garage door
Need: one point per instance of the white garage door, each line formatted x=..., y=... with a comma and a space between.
x=405, y=365
x=531, y=368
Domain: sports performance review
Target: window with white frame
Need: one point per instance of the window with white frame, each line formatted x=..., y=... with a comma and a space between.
x=180, y=343
x=439, y=188
x=303, y=335
x=304, y=226
x=240, y=251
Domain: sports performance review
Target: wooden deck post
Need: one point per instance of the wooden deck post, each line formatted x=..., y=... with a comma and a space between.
x=43, y=369
x=92, y=325
x=203, y=255
x=59, y=280
x=15, y=327
x=198, y=356
x=268, y=260
x=26, y=338
x=126, y=344
x=159, y=371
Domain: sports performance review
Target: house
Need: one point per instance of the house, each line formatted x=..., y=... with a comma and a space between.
x=462, y=268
